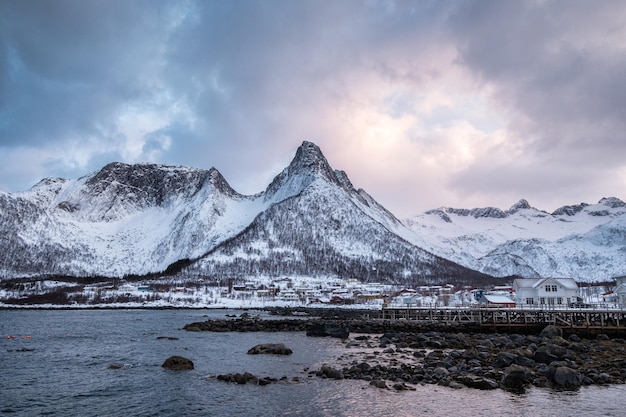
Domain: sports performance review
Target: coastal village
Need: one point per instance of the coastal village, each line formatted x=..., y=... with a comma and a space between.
x=541, y=293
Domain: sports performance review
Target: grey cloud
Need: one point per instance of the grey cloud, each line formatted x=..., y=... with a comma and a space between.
x=544, y=60
x=255, y=78
x=555, y=67
x=71, y=64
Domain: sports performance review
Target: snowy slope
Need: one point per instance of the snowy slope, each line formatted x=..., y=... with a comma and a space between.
x=310, y=221
x=124, y=219
x=139, y=219
x=319, y=225
x=584, y=241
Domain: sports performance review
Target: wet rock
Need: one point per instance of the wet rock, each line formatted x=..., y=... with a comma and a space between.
x=323, y=330
x=551, y=331
x=177, y=363
x=476, y=381
x=245, y=378
x=543, y=355
x=525, y=361
x=567, y=378
x=330, y=372
x=515, y=378
x=401, y=386
x=317, y=330
x=440, y=373
x=270, y=349
x=504, y=359
x=192, y=328
x=574, y=338
x=339, y=332
x=379, y=383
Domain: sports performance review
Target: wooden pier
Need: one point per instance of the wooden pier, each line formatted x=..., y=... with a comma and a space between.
x=583, y=319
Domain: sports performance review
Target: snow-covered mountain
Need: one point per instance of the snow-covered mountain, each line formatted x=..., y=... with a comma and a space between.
x=585, y=241
x=141, y=219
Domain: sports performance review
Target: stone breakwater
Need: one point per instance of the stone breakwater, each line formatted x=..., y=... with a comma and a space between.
x=401, y=354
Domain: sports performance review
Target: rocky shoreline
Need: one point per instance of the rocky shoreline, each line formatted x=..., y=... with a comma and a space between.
x=401, y=354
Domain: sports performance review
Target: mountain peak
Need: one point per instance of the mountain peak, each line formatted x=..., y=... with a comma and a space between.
x=309, y=157
x=308, y=165
x=612, y=202
x=520, y=205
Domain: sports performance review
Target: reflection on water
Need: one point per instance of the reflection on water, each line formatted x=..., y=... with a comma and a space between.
x=69, y=372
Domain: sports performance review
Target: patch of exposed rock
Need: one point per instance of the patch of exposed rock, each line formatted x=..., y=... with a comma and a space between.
x=177, y=363
x=270, y=349
x=248, y=378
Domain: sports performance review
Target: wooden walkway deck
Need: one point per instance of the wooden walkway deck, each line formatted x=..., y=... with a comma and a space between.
x=614, y=320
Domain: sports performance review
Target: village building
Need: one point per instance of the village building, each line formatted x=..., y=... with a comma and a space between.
x=495, y=300
x=545, y=291
x=620, y=290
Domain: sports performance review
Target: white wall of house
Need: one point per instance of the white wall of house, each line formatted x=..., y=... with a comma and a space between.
x=545, y=291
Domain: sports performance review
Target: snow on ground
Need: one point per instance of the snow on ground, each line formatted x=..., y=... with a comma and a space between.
x=259, y=293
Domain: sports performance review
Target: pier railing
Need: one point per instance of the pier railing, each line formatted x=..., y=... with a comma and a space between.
x=609, y=319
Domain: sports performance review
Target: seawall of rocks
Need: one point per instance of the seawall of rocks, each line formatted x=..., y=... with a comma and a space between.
x=485, y=361
x=401, y=354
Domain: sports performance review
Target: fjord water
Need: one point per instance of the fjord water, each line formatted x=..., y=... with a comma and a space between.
x=62, y=367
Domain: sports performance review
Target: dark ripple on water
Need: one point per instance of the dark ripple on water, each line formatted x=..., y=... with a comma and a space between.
x=69, y=373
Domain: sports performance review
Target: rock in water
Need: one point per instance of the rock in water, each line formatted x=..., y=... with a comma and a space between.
x=515, y=378
x=568, y=378
x=270, y=348
x=177, y=363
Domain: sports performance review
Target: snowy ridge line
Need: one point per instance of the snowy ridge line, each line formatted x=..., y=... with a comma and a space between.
x=149, y=220
x=586, y=241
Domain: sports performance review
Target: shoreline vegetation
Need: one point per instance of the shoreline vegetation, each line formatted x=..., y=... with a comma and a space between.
x=400, y=354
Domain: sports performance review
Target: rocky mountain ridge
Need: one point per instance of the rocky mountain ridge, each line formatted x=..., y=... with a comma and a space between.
x=583, y=241
x=141, y=219
x=132, y=220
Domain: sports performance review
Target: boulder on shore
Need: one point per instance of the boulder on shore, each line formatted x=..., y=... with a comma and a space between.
x=270, y=349
x=323, y=330
x=551, y=331
x=177, y=363
x=567, y=378
x=515, y=378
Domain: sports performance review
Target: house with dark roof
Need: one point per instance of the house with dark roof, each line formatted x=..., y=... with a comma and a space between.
x=545, y=291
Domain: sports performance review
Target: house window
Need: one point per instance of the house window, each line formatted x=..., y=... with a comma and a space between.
x=542, y=300
x=559, y=300
x=554, y=288
x=551, y=288
x=530, y=300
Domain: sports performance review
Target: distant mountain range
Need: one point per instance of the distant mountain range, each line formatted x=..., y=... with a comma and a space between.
x=130, y=220
x=584, y=241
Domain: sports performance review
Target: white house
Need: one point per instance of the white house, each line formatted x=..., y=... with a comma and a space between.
x=545, y=291
x=620, y=290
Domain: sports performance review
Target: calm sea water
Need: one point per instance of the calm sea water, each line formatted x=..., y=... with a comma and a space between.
x=68, y=373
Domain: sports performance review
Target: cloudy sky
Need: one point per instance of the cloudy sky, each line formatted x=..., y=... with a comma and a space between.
x=422, y=103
